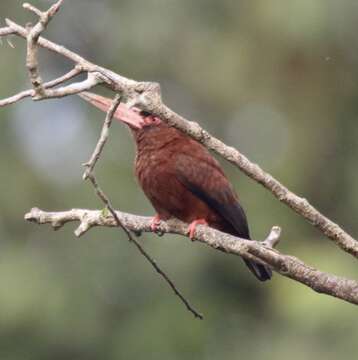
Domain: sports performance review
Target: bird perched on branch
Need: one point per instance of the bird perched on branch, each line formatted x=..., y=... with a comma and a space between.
x=181, y=178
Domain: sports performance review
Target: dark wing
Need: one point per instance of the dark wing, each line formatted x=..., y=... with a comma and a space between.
x=202, y=175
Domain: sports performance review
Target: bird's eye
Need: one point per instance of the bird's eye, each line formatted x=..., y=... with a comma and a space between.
x=144, y=113
x=152, y=119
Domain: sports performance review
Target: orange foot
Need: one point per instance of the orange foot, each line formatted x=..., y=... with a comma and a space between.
x=155, y=223
x=192, y=226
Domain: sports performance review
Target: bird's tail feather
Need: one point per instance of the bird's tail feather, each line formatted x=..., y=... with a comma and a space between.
x=262, y=272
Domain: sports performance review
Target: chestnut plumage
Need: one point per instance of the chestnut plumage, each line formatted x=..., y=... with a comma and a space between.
x=181, y=178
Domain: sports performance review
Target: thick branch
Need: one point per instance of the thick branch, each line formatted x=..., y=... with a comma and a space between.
x=40, y=92
x=286, y=265
x=147, y=96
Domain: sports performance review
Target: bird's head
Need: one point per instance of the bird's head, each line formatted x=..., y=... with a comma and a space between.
x=133, y=117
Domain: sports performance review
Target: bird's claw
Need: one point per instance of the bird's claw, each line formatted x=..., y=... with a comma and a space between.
x=155, y=224
x=192, y=226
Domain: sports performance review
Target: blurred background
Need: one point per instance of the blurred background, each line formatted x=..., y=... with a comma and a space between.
x=276, y=79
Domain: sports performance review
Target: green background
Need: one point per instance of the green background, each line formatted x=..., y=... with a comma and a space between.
x=276, y=79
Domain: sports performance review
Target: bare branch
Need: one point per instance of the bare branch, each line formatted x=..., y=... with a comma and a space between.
x=102, y=139
x=273, y=238
x=68, y=76
x=32, y=8
x=30, y=93
x=72, y=89
x=120, y=224
x=94, y=78
x=7, y=31
x=115, y=81
x=147, y=96
x=89, y=174
x=286, y=265
x=32, y=46
x=46, y=16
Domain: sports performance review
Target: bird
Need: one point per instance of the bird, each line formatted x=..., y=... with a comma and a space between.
x=180, y=177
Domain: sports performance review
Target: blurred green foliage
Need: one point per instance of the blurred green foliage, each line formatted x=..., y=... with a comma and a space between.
x=277, y=79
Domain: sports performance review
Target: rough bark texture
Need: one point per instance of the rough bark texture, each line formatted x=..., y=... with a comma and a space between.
x=147, y=97
x=286, y=265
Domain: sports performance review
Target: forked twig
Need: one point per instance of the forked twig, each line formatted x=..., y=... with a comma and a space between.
x=30, y=93
x=32, y=45
x=147, y=97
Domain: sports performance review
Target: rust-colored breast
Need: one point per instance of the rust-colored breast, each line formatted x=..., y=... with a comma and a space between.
x=156, y=161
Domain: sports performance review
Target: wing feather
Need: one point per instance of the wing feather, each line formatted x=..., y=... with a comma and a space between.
x=202, y=175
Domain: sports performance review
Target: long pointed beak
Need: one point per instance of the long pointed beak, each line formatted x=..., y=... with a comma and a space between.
x=123, y=113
